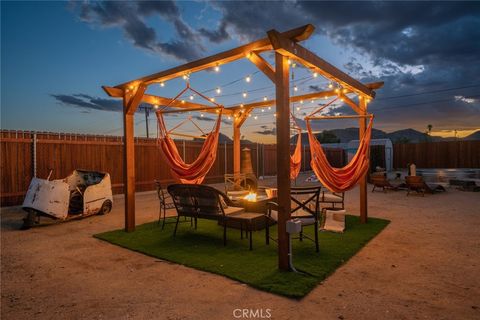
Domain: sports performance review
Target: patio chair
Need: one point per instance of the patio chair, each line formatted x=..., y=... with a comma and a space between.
x=202, y=202
x=417, y=184
x=381, y=181
x=305, y=207
x=165, y=204
x=333, y=198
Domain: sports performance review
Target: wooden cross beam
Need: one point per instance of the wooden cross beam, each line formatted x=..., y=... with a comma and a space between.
x=308, y=96
x=162, y=101
x=295, y=51
x=297, y=34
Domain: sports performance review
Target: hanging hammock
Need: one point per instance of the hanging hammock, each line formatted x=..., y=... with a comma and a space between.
x=340, y=179
x=195, y=172
x=296, y=157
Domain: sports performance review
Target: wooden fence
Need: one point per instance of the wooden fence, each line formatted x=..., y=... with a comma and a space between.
x=445, y=154
x=25, y=153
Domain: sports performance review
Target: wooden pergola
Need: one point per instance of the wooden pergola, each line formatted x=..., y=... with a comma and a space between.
x=286, y=46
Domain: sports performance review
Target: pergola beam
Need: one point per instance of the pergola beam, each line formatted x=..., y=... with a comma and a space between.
x=295, y=51
x=297, y=34
x=162, y=101
x=308, y=96
x=262, y=65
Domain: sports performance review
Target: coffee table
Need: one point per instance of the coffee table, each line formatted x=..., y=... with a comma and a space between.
x=248, y=221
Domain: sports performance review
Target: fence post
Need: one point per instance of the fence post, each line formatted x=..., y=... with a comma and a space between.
x=225, y=168
x=34, y=154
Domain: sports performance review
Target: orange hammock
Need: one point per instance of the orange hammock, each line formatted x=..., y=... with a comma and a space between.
x=296, y=158
x=340, y=179
x=195, y=172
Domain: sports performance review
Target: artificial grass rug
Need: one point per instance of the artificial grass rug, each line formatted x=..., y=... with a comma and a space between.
x=203, y=249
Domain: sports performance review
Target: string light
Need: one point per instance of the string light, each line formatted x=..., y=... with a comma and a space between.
x=360, y=97
x=265, y=98
x=312, y=101
x=330, y=85
x=155, y=107
x=244, y=94
x=162, y=84
x=298, y=108
x=212, y=99
x=275, y=114
x=218, y=90
x=248, y=78
x=229, y=118
x=249, y=115
x=315, y=74
x=183, y=101
x=295, y=88
x=337, y=90
x=241, y=105
x=269, y=108
x=201, y=114
x=289, y=61
x=191, y=97
x=255, y=117
x=345, y=90
x=185, y=77
x=301, y=101
x=217, y=68
x=263, y=110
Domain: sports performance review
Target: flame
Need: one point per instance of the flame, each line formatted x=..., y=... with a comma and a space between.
x=251, y=196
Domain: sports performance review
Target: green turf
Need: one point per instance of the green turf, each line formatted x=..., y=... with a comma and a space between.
x=203, y=249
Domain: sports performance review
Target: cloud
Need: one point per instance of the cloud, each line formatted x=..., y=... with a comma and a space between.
x=200, y=118
x=216, y=36
x=87, y=102
x=130, y=17
x=267, y=131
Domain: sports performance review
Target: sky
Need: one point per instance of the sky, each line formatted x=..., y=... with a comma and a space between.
x=55, y=56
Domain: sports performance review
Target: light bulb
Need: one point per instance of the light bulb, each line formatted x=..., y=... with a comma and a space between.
x=218, y=90
x=330, y=85
x=298, y=108
x=212, y=99
x=191, y=97
x=345, y=90
x=263, y=110
x=295, y=88
x=248, y=79
x=315, y=74
x=264, y=98
x=255, y=117
x=244, y=94
x=155, y=107
x=301, y=101
x=162, y=84
x=217, y=68
x=201, y=114
x=289, y=61
x=183, y=101
x=269, y=108
x=241, y=105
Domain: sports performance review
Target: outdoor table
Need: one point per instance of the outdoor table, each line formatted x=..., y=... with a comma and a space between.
x=249, y=221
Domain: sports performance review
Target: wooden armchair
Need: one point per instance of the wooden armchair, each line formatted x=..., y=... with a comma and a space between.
x=417, y=184
x=381, y=181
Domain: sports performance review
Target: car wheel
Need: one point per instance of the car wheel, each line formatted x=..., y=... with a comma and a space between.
x=106, y=207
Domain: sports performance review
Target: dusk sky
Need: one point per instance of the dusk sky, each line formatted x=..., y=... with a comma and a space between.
x=55, y=56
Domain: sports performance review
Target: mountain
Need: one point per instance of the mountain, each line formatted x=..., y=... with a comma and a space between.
x=408, y=135
x=473, y=136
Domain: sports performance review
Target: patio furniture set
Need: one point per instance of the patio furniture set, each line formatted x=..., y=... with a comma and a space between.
x=412, y=184
x=233, y=211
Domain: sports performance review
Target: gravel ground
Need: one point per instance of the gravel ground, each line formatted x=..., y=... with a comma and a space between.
x=424, y=265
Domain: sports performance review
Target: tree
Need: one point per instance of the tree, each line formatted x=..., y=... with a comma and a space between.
x=327, y=137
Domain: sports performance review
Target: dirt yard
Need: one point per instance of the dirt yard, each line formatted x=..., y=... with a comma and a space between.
x=424, y=265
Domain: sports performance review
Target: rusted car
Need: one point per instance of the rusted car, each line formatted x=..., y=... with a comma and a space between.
x=81, y=194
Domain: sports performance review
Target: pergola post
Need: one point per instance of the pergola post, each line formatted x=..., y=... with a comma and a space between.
x=131, y=100
x=236, y=147
x=362, y=124
x=283, y=155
